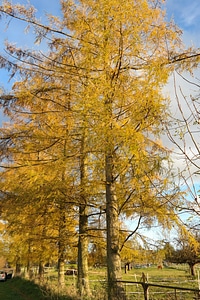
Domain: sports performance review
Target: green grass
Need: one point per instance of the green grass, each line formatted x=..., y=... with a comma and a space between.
x=177, y=276
x=171, y=276
x=22, y=289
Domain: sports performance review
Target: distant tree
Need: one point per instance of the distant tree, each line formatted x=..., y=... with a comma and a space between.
x=187, y=251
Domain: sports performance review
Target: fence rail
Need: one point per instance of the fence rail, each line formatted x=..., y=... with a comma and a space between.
x=146, y=285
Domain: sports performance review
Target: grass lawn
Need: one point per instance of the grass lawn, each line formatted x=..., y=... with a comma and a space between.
x=177, y=276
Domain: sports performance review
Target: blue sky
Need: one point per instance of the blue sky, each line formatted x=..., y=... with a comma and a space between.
x=186, y=14
x=15, y=31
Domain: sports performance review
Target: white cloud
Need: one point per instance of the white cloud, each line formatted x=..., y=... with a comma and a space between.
x=190, y=14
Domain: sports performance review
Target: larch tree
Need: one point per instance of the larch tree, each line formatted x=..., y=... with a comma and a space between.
x=126, y=51
x=42, y=108
x=33, y=210
x=116, y=58
x=38, y=143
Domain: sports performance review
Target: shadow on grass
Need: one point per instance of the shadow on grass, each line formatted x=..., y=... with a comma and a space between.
x=32, y=291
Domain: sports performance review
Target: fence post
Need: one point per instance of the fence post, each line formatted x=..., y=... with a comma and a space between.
x=175, y=294
x=145, y=288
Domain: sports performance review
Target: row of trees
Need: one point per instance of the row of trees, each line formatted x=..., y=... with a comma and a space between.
x=81, y=153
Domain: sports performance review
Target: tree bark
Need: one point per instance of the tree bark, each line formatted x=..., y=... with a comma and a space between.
x=115, y=291
x=61, y=248
x=61, y=271
x=41, y=269
x=18, y=265
x=83, y=278
x=192, y=271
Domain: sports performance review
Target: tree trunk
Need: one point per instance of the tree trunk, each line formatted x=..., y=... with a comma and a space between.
x=61, y=271
x=61, y=247
x=27, y=270
x=41, y=269
x=18, y=266
x=192, y=271
x=115, y=290
x=83, y=279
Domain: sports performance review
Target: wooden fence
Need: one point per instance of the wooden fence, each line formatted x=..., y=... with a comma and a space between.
x=146, y=287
